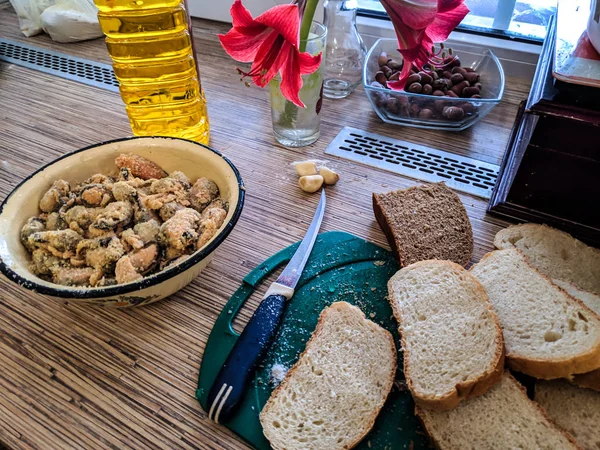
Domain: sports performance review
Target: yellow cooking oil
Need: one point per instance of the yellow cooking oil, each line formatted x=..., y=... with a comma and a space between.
x=152, y=49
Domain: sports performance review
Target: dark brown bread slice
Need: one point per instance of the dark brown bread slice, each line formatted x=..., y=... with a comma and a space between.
x=425, y=222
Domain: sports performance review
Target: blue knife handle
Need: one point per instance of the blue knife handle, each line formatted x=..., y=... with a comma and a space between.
x=229, y=387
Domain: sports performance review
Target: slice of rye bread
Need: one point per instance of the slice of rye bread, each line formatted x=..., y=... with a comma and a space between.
x=425, y=222
x=330, y=398
x=451, y=337
x=547, y=333
x=591, y=379
x=504, y=418
x=574, y=409
x=555, y=253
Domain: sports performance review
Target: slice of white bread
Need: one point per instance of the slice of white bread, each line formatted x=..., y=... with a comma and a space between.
x=589, y=299
x=451, y=337
x=504, y=418
x=573, y=409
x=555, y=253
x=547, y=333
x=330, y=398
x=591, y=379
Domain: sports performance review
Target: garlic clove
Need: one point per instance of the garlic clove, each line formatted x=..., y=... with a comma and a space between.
x=329, y=176
x=310, y=183
x=305, y=168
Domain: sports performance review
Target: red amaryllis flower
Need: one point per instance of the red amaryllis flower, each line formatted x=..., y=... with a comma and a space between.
x=270, y=42
x=419, y=24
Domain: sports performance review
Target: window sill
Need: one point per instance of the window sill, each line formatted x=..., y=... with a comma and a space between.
x=518, y=59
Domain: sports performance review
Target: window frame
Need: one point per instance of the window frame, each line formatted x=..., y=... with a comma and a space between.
x=518, y=58
x=498, y=29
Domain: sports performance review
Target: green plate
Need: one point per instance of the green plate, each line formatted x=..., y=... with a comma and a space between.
x=342, y=267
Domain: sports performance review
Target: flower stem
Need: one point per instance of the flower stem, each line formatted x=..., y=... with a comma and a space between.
x=290, y=112
x=307, y=18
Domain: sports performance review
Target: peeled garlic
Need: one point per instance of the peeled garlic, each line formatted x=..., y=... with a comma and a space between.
x=329, y=176
x=305, y=168
x=310, y=183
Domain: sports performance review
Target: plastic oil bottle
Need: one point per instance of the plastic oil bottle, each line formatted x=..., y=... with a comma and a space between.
x=151, y=45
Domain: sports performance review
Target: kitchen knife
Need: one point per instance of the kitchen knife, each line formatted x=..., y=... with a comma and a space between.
x=228, y=389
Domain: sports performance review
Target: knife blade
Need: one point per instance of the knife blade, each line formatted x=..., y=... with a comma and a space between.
x=228, y=389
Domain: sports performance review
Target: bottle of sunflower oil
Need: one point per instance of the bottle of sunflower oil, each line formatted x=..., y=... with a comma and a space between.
x=151, y=45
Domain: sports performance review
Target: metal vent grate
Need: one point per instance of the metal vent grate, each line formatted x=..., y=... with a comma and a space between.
x=415, y=161
x=65, y=66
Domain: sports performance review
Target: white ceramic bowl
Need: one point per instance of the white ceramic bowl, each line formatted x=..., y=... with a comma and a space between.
x=192, y=158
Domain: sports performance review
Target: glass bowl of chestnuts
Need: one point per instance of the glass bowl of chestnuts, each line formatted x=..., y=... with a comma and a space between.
x=455, y=91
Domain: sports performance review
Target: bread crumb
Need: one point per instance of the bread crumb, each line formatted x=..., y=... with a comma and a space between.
x=372, y=315
x=379, y=263
x=278, y=372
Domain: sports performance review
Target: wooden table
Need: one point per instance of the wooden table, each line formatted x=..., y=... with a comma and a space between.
x=79, y=377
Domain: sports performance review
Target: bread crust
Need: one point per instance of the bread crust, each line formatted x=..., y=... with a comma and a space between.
x=548, y=369
x=318, y=330
x=382, y=221
x=590, y=380
x=469, y=388
x=500, y=236
x=437, y=444
x=396, y=245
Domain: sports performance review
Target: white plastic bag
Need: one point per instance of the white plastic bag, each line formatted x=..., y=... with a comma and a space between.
x=29, y=12
x=71, y=21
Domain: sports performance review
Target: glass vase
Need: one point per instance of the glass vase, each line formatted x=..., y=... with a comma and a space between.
x=346, y=51
x=294, y=126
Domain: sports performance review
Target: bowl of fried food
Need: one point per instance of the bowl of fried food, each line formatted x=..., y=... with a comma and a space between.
x=122, y=223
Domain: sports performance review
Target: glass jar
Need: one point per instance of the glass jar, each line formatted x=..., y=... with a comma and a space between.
x=346, y=51
x=294, y=126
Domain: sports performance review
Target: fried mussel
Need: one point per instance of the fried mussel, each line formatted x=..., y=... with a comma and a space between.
x=114, y=229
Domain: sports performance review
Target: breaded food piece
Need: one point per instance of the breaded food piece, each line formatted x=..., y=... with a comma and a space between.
x=180, y=232
x=115, y=214
x=212, y=219
x=96, y=195
x=79, y=217
x=168, y=210
x=139, y=166
x=55, y=197
x=203, y=192
x=73, y=276
x=125, y=271
x=33, y=225
x=43, y=262
x=123, y=191
x=145, y=258
x=61, y=243
x=102, y=256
